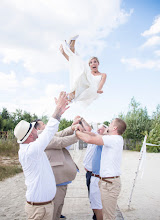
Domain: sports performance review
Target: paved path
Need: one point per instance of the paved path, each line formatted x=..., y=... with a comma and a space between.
x=76, y=207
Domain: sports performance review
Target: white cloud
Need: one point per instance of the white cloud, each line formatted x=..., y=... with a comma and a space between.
x=153, y=41
x=35, y=103
x=29, y=82
x=157, y=52
x=33, y=31
x=134, y=62
x=53, y=90
x=8, y=82
x=45, y=104
x=154, y=29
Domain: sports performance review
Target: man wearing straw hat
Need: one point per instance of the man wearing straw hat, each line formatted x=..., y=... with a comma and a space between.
x=39, y=177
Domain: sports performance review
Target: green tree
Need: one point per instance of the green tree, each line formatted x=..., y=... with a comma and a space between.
x=137, y=120
x=154, y=134
x=106, y=123
x=44, y=119
x=64, y=124
x=8, y=121
x=5, y=114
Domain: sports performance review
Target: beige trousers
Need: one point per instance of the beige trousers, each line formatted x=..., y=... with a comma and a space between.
x=109, y=196
x=59, y=201
x=40, y=212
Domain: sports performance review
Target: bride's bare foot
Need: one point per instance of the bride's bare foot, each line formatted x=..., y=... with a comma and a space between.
x=71, y=96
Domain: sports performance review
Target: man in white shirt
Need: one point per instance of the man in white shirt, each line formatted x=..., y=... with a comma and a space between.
x=111, y=156
x=91, y=164
x=39, y=177
x=62, y=164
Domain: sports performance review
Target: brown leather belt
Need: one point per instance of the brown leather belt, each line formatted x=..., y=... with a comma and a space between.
x=39, y=203
x=100, y=178
x=113, y=177
x=95, y=175
x=105, y=178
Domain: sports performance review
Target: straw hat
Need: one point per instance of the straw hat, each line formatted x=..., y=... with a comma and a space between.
x=23, y=130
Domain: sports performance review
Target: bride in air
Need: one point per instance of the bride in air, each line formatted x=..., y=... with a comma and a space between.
x=86, y=82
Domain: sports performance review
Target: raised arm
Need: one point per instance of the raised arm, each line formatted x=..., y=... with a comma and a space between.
x=58, y=143
x=38, y=146
x=97, y=139
x=65, y=132
x=101, y=83
x=63, y=52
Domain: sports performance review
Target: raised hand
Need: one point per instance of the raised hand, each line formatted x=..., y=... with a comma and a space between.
x=78, y=127
x=76, y=120
x=85, y=125
x=61, y=105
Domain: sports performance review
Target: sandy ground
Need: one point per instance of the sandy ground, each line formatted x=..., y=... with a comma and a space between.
x=145, y=201
x=146, y=196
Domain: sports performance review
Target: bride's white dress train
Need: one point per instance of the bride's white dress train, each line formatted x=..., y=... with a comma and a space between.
x=82, y=81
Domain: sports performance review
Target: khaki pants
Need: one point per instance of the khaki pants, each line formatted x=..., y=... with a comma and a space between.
x=109, y=196
x=59, y=201
x=40, y=212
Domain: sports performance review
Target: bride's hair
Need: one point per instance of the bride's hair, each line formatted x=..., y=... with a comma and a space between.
x=92, y=59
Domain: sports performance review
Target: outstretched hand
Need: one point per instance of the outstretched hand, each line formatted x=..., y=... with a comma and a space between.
x=85, y=125
x=78, y=127
x=61, y=105
x=76, y=120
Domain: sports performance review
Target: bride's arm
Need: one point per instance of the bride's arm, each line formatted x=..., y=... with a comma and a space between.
x=101, y=83
x=63, y=52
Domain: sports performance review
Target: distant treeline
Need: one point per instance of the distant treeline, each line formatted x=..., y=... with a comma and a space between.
x=139, y=123
x=8, y=120
x=137, y=119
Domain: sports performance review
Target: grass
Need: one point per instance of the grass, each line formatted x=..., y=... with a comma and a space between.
x=9, y=171
x=8, y=147
x=10, y=166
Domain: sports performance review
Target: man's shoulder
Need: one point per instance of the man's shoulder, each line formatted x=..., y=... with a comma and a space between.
x=109, y=139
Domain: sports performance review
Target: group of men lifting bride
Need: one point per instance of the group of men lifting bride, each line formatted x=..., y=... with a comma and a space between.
x=46, y=162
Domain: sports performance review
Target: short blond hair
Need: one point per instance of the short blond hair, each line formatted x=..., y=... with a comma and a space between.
x=92, y=59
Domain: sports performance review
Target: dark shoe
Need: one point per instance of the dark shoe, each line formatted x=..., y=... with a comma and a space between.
x=62, y=217
x=94, y=217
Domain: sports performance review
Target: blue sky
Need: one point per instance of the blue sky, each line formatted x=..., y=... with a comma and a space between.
x=125, y=35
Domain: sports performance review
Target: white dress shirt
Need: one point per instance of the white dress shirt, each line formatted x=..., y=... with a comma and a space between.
x=39, y=177
x=111, y=156
x=87, y=161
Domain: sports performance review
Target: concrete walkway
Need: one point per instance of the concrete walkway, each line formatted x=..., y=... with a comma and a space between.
x=76, y=207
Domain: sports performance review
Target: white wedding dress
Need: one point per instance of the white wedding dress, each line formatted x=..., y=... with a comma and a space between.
x=82, y=81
